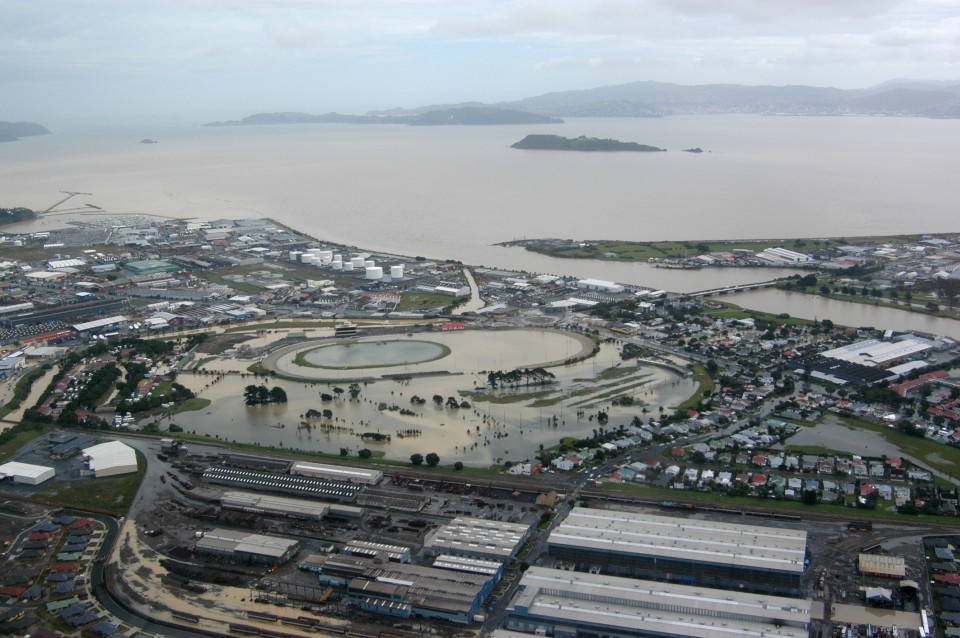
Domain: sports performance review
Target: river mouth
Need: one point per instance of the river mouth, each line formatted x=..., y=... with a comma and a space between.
x=371, y=354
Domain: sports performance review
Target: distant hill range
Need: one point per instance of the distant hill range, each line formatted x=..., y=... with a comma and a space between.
x=655, y=99
x=13, y=131
x=455, y=115
x=908, y=98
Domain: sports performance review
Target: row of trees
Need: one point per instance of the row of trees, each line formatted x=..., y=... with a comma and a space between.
x=513, y=378
x=353, y=390
x=261, y=395
x=431, y=459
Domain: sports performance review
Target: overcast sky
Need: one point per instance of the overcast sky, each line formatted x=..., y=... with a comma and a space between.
x=119, y=59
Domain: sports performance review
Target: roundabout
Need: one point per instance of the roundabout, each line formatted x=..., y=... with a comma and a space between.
x=431, y=353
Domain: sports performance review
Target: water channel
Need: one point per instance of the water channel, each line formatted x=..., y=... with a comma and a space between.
x=844, y=313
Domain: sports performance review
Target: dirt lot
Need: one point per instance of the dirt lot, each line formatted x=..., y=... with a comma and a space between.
x=217, y=344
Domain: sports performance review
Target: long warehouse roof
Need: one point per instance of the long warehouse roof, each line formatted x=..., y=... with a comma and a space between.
x=746, y=546
x=642, y=606
x=269, y=503
x=244, y=542
x=873, y=352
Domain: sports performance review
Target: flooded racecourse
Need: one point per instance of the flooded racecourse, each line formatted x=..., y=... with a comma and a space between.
x=410, y=402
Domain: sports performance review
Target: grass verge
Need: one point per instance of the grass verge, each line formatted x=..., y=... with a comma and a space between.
x=111, y=495
x=705, y=386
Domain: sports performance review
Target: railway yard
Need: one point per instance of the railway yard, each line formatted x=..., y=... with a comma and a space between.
x=171, y=561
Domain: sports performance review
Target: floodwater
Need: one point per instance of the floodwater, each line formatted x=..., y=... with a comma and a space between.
x=485, y=433
x=844, y=313
x=834, y=434
x=469, y=351
x=371, y=353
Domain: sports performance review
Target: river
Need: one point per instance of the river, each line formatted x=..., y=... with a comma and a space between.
x=844, y=313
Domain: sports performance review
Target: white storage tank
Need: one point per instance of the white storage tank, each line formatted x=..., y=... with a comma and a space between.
x=338, y=257
x=396, y=272
x=337, y=265
x=295, y=255
x=326, y=256
x=369, y=263
x=315, y=251
x=357, y=262
x=348, y=265
x=307, y=258
x=374, y=273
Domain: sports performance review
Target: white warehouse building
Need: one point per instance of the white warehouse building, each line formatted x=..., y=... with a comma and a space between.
x=110, y=459
x=363, y=476
x=26, y=473
x=598, y=285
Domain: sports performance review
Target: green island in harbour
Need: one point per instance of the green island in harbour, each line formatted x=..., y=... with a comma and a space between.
x=582, y=143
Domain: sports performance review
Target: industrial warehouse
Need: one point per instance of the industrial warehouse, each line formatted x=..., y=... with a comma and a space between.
x=566, y=605
x=362, y=476
x=274, y=505
x=369, y=549
x=256, y=548
x=478, y=538
x=408, y=590
x=110, y=459
x=453, y=591
x=281, y=483
x=726, y=555
x=26, y=473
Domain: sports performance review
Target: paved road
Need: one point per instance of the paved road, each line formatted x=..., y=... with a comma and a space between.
x=106, y=600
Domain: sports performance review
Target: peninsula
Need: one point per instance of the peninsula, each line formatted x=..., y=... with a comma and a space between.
x=13, y=131
x=465, y=116
x=582, y=143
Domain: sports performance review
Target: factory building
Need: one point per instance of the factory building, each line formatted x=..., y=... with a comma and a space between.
x=244, y=546
x=394, y=553
x=363, y=476
x=493, y=569
x=403, y=591
x=478, y=538
x=270, y=505
x=281, y=483
x=598, y=285
x=145, y=266
x=882, y=566
x=107, y=324
x=26, y=473
x=879, y=354
x=725, y=555
x=110, y=459
x=566, y=604
x=782, y=257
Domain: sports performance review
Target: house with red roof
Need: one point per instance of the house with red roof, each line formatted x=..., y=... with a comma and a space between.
x=80, y=522
x=70, y=566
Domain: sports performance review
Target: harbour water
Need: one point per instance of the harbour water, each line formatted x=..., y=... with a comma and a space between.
x=454, y=192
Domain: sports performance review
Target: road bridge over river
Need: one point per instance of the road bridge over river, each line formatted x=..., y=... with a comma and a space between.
x=730, y=289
